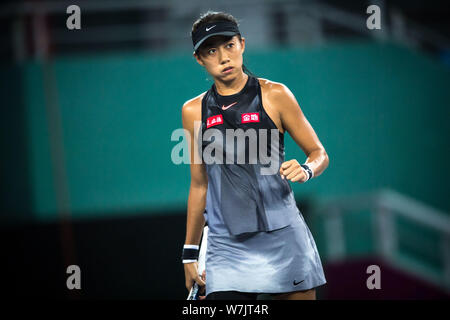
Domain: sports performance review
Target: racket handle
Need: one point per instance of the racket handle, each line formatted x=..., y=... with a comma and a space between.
x=193, y=294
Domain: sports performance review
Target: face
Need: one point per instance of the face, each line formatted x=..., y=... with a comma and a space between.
x=222, y=59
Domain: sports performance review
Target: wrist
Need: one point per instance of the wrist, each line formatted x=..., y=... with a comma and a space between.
x=308, y=171
x=190, y=253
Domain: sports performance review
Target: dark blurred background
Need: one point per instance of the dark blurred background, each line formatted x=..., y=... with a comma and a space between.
x=86, y=124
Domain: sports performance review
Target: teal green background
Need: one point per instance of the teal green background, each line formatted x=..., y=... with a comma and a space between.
x=380, y=111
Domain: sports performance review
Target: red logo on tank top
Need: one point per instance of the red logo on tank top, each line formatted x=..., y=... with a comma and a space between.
x=250, y=117
x=214, y=120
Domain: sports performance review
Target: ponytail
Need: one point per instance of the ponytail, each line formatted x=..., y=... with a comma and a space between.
x=247, y=71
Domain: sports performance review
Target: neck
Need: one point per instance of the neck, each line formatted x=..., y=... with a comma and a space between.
x=229, y=87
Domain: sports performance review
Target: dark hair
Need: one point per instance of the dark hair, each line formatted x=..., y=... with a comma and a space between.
x=214, y=16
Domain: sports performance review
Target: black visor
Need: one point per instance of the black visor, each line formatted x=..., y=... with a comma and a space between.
x=224, y=28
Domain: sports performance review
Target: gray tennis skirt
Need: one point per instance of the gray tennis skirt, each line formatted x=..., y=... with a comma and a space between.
x=283, y=260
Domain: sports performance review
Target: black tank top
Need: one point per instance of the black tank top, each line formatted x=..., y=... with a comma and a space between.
x=248, y=194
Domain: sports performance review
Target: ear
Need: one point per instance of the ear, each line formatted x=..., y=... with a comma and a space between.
x=243, y=44
x=199, y=60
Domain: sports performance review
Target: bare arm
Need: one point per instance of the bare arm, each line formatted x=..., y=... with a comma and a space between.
x=294, y=121
x=199, y=182
x=197, y=194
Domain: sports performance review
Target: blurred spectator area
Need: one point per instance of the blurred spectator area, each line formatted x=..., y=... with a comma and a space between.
x=408, y=240
x=164, y=25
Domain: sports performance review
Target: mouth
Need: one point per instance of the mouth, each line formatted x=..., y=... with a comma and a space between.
x=227, y=70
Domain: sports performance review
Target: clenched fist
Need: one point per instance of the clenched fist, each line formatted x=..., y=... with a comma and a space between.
x=292, y=171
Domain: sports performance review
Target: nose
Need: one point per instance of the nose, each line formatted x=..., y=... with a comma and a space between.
x=223, y=56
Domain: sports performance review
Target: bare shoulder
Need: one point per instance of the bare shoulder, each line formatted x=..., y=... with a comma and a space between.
x=277, y=99
x=192, y=108
x=273, y=89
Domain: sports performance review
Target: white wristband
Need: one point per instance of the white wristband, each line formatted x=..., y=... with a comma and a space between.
x=191, y=246
x=189, y=260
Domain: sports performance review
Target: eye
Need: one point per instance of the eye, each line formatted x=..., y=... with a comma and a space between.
x=230, y=44
x=211, y=51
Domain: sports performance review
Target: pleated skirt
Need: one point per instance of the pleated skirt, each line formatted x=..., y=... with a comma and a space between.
x=279, y=261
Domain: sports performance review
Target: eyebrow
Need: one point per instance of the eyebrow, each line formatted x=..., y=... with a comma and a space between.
x=216, y=43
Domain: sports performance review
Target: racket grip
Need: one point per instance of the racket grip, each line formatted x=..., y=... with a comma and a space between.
x=193, y=294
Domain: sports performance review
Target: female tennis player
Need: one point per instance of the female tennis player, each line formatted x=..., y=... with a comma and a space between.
x=258, y=241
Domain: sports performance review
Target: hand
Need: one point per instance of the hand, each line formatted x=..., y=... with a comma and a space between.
x=292, y=171
x=203, y=289
x=191, y=276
